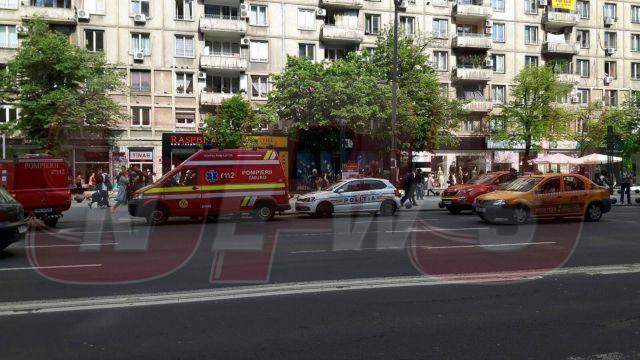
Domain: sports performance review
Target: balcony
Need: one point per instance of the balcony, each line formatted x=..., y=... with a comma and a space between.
x=211, y=25
x=218, y=62
x=343, y=4
x=209, y=98
x=567, y=48
x=559, y=19
x=479, y=106
x=481, y=11
x=473, y=41
x=332, y=33
x=568, y=78
x=63, y=16
x=472, y=74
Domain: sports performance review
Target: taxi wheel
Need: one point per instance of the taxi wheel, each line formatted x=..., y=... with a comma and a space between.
x=454, y=210
x=264, y=211
x=594, y=212
x=520, y=215
x=157, y=215
x=388, y=208
x=487, y=219
x=324, y=210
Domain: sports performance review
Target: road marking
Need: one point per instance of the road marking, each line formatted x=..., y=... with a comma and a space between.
x=67, y=245
x=423, y=247
x=437, y=229
x=390, y=221
x=49, y=267
x=315, y=287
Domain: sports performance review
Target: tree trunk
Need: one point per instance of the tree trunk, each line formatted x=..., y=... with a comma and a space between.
x=527, y=154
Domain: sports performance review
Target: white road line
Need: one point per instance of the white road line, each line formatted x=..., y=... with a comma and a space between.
x=315, y=287
x=424, y=247
x=49, y=267
x=390, y=221
x=437, y=229
x=67, y=245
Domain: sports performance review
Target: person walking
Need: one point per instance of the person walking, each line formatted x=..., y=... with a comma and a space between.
x=408, y=187
x=625, y=186
x=419, y=186
x=122, y=195
x=430, y=185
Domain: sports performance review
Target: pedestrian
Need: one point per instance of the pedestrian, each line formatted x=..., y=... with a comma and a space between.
x=92, y=181
x=408, y=187
x=121, y=196
x=417, y=181
x=430, y=185
x=420, y=182
x=625, y=186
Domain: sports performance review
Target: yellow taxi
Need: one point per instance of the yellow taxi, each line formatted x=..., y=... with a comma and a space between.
x=545, y=196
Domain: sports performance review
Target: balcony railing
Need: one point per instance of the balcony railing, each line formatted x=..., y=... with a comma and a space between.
x=344, y=4
x=560, y=19
x=472, y=74
x=481, y=106
x=570, y=48
x=477, y=41
x=210, y=98
x=340, y=34
x=217, y=25
x=50, y=14
x=219, y=62
x=482, y=10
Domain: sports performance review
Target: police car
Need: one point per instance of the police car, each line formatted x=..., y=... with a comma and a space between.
x=354, y=195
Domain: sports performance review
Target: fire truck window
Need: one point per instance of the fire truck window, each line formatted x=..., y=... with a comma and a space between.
x=550, y=186
x=572, y=183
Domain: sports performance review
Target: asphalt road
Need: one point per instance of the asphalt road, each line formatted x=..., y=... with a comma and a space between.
x=418, y=285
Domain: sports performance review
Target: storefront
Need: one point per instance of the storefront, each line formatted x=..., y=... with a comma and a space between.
x=92, y=160
x=465, y=161
x=178, y=147
x=141, y=158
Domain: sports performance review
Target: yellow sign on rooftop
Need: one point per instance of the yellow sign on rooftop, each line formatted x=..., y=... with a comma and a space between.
x=564, y=4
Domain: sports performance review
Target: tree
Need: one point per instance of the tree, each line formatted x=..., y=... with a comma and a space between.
x=532, y=115
x=625, y=121
x=232, y=126
x=60, y=89
x=591, y=129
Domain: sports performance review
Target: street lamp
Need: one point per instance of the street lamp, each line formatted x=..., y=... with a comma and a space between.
x=394, y=90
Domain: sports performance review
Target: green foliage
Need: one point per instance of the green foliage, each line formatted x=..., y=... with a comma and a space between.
x=592, y=129
x=532, y=115
x=626, y=126
x=59, y=88
x=232, y=126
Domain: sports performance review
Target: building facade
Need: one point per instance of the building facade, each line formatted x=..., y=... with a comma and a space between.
x=183, y=57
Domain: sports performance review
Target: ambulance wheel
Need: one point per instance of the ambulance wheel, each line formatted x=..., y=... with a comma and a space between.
x=324, y=210
x=264, y=211
x=51, y=221
x=454, y=210
x=594, y=212
x=388, y=208
x=156, y=215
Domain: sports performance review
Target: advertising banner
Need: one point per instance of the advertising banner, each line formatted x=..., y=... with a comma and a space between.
x=564, y=4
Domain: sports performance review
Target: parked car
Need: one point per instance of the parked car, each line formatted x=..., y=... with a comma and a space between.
x=13, y=225
x=545, y=196
x=461, y=197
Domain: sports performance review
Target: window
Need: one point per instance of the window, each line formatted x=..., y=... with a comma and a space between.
x=184, y=83
x=635, y=42
x=572, y=183
x=499, y=94
x=8, y=36
x=184, y=46
x=440, y=28
x=307, y=51
x=221, y=48
x=185, y=117
x=259, y=86
x=140, y=7
x=550, y=186
x=141, y=116
x=530, y=6
x=610, y=40
x=8, y=113
x=610, y=10
x=306, y=19
x=8, y=4
x=611, y=97
x=498, y=63
x=140, y=80
x=471, y=126
x=584, y=96
x=52, y=3
x=408, y=24
x=583, y=68
x=611, y=69
x=220, y=12
x=93, y=6
x=258, y=15
x=582, y=37
x=441, y=60
x=584, y=9
x=184, y=9
x=94, y=40
x=635, y=14
x=372, y=24
x=222, y=84
x=530, y=60
x=335, y=53
x=498, y=32
x=140, y=43
x=531, y=35
x=259, y=51
x=497, y=5
x=635, y=71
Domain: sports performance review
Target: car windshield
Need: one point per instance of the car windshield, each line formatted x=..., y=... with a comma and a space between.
x=523, y=184
x=334, y=186
x=484, y=179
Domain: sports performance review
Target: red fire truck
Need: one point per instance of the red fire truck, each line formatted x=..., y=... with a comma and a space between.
x=40, y=183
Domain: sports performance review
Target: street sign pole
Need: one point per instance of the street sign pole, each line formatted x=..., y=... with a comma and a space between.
x=610, y=146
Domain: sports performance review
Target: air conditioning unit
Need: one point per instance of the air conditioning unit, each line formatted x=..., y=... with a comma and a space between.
x=321, y=12
x=610, y=51
x=202, y=75
x=543, y=3
x=608, y=80
x=83, y=15
x=488, y=31
x=138, y=56
x=245, y=42
x=575, y=99
x=140, y=18
x=22, y=30
x=608, y=20
x=488, y=23
x=244, y=7
x=488, y=63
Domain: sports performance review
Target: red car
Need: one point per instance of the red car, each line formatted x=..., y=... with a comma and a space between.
x=40, y=184
x=460, y=197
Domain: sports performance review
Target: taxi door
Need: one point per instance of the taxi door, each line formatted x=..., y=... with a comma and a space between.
x=547, y=198
x=574, y=196
x=348, y=197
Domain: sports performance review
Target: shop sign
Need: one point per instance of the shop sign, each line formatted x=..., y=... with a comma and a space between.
x=187, y=140
x=349, y=171
x=140, y=155
x=564, y=4
x=279, y=142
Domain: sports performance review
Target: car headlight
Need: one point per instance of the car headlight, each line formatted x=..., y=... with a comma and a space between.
x=500, y=202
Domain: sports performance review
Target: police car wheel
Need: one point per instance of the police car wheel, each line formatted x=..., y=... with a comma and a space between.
x=264, y=212
x=594, y=212
x=388, y=208
x=324, y=210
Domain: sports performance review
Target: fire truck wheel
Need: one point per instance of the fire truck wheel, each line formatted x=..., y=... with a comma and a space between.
x=264, y=211
x=156, y=215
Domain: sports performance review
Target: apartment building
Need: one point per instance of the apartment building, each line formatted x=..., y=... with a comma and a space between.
x=183, y=57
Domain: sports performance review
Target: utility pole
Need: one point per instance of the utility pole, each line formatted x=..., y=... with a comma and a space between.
x=394, y=93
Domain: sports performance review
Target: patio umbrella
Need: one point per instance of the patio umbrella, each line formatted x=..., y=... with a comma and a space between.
x=562, y=159
x=596, y=159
